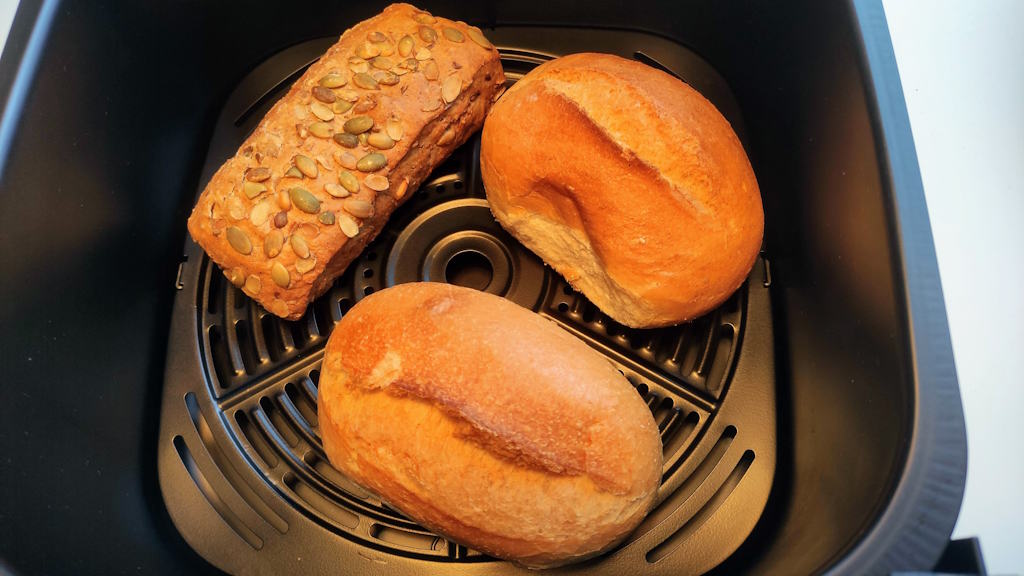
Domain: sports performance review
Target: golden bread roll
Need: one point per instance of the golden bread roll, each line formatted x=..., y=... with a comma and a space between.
x=487, y=424
x=627, y=182
x=353, y=138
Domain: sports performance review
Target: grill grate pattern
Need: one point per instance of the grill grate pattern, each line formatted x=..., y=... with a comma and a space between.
x=247, y=435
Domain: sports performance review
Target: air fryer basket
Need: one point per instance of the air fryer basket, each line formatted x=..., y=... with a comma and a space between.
x=242, y=468
x=150, y=412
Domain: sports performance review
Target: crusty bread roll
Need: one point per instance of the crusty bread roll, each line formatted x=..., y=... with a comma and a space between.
x=627, y=182
x=353, y=138
x=487, y=424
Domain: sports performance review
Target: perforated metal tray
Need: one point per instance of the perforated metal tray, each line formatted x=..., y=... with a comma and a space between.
x=241, y=466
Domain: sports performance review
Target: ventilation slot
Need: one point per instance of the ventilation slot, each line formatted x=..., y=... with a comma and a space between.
x=410, y=540
x=676, y=436
x=227, y=469
x=256, y=438
x=713, y=504
x=690, y=485
x=277, y=422
x=327, y=509
x=302, y=403
x=229, y=517
x=332, y=476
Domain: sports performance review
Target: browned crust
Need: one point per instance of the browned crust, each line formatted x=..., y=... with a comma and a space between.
x=276, y=141
x=678, y=231
x=487, y=423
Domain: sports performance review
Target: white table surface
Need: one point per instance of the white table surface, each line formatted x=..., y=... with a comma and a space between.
x=962, y=67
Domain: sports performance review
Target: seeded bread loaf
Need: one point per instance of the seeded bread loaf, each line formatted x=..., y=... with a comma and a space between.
x=355, y=135
x=650, y=208
x=487, y=423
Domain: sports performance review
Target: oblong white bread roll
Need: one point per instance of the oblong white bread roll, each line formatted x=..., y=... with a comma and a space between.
x=487, y=424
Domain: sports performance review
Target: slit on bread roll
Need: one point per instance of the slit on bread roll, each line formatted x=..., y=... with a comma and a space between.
x=627, y=182
x=487, y=424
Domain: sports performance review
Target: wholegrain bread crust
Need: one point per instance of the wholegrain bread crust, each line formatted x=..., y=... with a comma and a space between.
x=627, y=182
x=430, y=82
x=488, y=424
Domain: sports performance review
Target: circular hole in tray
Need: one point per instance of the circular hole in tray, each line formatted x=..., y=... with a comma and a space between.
x=470, y=269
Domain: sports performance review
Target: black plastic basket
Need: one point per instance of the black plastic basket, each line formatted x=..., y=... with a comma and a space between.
x=812, y=423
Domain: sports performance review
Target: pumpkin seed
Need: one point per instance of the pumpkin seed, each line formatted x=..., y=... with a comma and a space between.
x=273, y=242
x=348, y=226
x=236, y=276
x=477, y=36
x=376, y=36
x=279, y=308
x=453, y=35
x=260, y=174
x=405, y=45
x=324, y=94
x=359, y=208
x=359, y=67
x=362, y=138
x=446, y=138
x=349, y=181
x=367, y=50
x=348, y=95
x=365, y=81
x=333, y=80
x=253, y=189
x=239, y=240
x=371, y=162
x=280, y=275
x=323, y=161
x=423, y=54
x=358, y=124
x=430, y=107
x=427, y=34
x=336, y=190
x=252, y=285
x=326, y=218
x=380, y=141
x=299, y=246
x=284, y=201
x=347, y=140
x=386, y=78
x=341, y=106
x=305, y=265
x=347, y=160
x=451, y=88
x=293, y=172
x=385, y=49
x=394, y=129
x=321, y=129
x=402, y=188
x=412, y=64
x=306, y=165
x=424, y=18
x=281, y=219
x=376, y=182
x=236, y=209
x=382, y=62
x=399, y=71
x=365, y=105
x=304, y=200
x=260, y=213
x=430, y=70
x=322, y=111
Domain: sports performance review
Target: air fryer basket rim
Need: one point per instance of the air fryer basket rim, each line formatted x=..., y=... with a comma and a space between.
x=919, y=518
x=917, y=523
